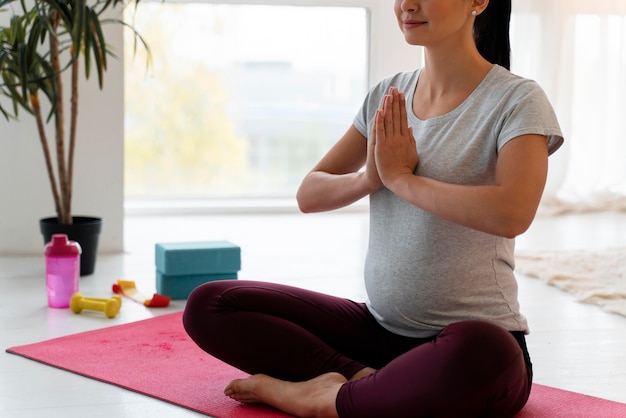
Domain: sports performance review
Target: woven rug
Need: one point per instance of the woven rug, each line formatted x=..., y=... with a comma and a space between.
x=596, y=277
x=155, y=357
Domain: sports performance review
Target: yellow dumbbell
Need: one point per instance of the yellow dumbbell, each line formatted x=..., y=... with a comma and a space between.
x=110, y=306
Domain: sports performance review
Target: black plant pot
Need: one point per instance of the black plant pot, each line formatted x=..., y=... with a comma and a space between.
x=84, y=230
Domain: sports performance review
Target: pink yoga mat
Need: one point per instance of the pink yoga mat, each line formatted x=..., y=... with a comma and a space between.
x=155, y=357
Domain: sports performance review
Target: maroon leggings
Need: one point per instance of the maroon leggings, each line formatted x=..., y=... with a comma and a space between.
x=470, y=369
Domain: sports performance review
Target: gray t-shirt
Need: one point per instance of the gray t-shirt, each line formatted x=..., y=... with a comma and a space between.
x=423, y=273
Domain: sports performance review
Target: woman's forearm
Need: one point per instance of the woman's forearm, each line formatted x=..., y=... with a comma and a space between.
x=321, y=191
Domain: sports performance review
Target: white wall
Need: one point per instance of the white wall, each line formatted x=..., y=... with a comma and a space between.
x=25, y=196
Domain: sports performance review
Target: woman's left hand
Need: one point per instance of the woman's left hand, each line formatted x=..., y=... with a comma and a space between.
x=395, y=153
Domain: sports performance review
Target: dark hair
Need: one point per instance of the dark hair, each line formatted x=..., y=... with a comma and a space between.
x=491, y=33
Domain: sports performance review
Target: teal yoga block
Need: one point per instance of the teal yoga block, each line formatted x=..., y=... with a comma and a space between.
x=179, y=287
x=193, y=258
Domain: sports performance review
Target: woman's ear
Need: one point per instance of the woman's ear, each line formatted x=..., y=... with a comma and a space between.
x=479, y=6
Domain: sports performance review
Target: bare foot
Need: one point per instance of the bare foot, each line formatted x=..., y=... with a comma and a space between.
x=312, y=398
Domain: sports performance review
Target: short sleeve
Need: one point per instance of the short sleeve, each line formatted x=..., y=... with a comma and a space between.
x=529, y=112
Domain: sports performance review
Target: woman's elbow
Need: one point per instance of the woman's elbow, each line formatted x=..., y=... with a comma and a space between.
x=303, y=197
x=304, y=207
x=513, y=226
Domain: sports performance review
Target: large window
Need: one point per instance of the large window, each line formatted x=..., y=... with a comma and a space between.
x=241, y=100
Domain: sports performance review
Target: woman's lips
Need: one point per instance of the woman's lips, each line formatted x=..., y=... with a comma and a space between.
x=412, y=24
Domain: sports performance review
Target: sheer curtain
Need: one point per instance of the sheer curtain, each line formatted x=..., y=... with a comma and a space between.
x=576, y=50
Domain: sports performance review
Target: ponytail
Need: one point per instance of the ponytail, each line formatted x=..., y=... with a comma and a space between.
x=491, y=33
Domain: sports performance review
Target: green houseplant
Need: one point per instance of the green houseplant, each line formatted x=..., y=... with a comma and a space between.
x=44, y=47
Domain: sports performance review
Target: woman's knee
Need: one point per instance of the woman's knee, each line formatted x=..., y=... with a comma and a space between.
x=202, y=302
x=204, y=296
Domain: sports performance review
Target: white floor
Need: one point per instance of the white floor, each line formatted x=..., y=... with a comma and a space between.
x=574, y=346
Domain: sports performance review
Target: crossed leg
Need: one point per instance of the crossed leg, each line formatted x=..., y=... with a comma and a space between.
x=302, y=339
x=474, y=370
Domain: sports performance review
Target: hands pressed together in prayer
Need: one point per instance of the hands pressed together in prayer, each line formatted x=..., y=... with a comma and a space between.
x=391, y=150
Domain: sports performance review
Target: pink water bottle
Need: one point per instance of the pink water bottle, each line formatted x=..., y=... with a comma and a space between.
x=62, y=270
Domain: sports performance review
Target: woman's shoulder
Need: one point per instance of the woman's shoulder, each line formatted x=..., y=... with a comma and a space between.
x=502, y=88
x=503, y=79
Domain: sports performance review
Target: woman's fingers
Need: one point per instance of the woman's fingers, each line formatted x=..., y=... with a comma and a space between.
x=388, y=115
x=395, y=150
x=395, y=116
x=394, y=113
x=404, y=119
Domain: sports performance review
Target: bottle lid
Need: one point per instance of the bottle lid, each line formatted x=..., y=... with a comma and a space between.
x=61, y=246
